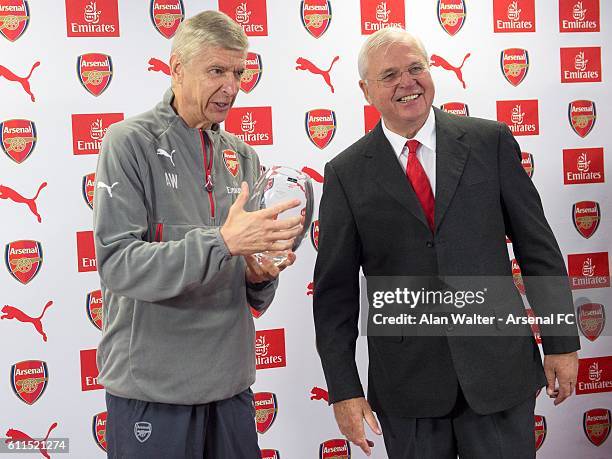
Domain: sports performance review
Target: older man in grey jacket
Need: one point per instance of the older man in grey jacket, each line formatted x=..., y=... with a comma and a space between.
x=175, y=257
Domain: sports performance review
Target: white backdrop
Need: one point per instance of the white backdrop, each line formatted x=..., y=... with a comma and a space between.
x=300, y=424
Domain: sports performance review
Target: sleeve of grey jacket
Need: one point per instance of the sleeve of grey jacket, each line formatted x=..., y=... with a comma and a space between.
x=260, y=295
x=127, y=263
x=535, y=248
x=336, y=291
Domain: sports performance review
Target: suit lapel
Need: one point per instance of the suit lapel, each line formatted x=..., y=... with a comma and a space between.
x=388, y=172
x=451, y=155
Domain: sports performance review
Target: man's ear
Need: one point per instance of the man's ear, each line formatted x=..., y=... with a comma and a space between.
x=363, y=85
x=176, y=69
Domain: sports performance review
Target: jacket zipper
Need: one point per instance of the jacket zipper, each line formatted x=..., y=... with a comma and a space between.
x=208, y=164
x=159, y=232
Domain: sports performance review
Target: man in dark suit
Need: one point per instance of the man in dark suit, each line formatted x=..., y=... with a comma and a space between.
x=426, y=193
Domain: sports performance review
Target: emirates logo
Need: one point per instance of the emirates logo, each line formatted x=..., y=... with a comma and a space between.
x=247, y=123
x=594, y=375
x=517, y=115
x=92, y=14
x=97, y=130
x=595, y=372
x=243, y=15
x=261, y=347
x=270, y=349
x=579, y=16
x=583, y=164
x=578, y=12
x=580, y=63
x=588, y=268
x=382, y=13
x=514, y=12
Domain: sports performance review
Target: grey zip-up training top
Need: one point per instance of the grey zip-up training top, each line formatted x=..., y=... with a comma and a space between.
x=177, y=326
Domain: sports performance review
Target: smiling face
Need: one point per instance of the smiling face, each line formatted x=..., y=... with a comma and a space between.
x=205, y=88
x=404, y=105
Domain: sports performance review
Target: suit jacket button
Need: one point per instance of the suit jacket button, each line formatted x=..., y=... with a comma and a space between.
x=430, y=244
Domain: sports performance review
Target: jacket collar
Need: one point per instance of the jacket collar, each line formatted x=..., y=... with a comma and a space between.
x=451, y=155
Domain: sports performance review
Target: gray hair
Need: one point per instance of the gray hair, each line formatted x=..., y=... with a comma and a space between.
x=385, y=37
x=208, y=28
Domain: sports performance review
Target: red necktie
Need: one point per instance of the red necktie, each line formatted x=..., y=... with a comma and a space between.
x=419, y=181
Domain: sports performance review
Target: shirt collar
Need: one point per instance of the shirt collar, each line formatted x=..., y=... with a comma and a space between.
x=426, y=135
x=169, y=112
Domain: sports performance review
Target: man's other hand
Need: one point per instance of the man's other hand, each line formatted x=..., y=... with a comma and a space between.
x=246, y=233
x=267, y=270
x=349, y=417
x=561, y=369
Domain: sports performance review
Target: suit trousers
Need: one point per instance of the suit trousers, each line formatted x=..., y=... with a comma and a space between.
x=508, y=434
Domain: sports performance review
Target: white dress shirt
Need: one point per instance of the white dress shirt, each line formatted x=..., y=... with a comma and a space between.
x=426, y=153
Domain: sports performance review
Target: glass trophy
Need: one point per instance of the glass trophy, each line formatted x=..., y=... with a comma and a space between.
x=277, y=185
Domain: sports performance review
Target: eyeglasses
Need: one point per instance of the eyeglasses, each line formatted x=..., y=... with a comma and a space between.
x=393, y=77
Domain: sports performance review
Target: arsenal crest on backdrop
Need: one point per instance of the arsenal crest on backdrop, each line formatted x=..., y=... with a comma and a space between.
x=18, y=139
x=14, y=18
x=266, y=409
x=335, y=449
x=94, y=309
x=514, y=64
x=167, y=15
x=88, y=187
x=95, y=71
x=29, y=380
x=539, y=431
x=252, y=72
x=582, y=116
x=23, y=259
x=451, y=15
x=596, y=424
x=527, y=163
x=321, y=126
x=591, y=319
x=456, y=108
x=316, y=16
x=586, y=216
x=98, y=427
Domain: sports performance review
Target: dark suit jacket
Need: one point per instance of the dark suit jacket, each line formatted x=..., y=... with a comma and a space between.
x=370, y=218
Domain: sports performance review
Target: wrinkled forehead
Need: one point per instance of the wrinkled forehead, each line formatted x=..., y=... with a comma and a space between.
x=214, y=55
x=396, y=54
